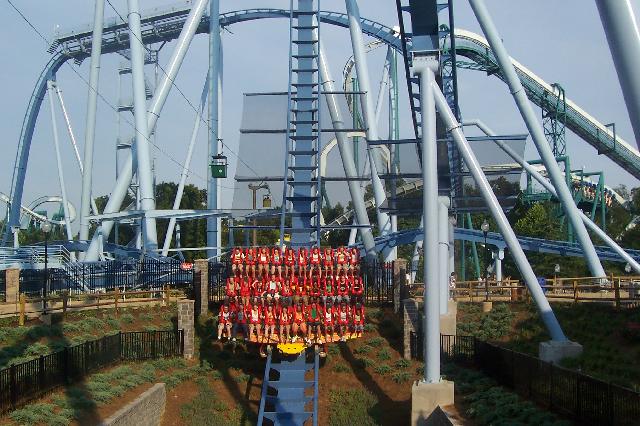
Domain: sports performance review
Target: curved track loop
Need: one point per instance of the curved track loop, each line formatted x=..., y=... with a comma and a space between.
x=166, y=25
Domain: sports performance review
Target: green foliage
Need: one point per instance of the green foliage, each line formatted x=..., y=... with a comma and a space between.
x=384, y=354
x=364, y=349
x=364, y=362
x=369, y=327
x=353, y=407
x=36, y=414
x=375, y=341
x=207, y=409
x=402, y=363
x=127, y=318
x=401, y=376
x=383, y=369
x=486, y=326
x=340, y=368
x=334, y=350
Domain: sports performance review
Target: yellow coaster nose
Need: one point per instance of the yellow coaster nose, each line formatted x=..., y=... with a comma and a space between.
x=291, y=348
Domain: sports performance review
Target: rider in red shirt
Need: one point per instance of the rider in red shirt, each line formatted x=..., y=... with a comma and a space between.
x=250, y=258
x=290, y=261
x=327, y=261
x=357, y=318
x=343, y=288
x=341, y=259
x=303, y=257
x=255, y=315
x=270, y=323
x=357, y=289
x=315, y=259
x=276, y=260
x=230, y=289
x=354, y=260
x=285, y=316
x=245, y=289
x=264, y=258
x=342, y=315
x=328, y=319
x=224, y=321
x=237, y=259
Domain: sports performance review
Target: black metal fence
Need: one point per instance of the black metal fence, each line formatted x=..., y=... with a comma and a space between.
x=3, y=286
x=378, y=282
x=218, y=273
x=569, y=393
x=78, y=278
x=23, y=382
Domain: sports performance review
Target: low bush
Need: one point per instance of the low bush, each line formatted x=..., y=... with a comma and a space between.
x=364, y=362
x=353, y=407
x=340, y=368
x=384, y=354
x=401, y=376
x=383, y=369
x=402, y=363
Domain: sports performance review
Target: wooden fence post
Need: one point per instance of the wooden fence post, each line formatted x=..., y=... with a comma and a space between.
x=116, y=297
x=616, y=285
x=165, y=294
x=22, y=310
x=575, y=291
x=65, y=302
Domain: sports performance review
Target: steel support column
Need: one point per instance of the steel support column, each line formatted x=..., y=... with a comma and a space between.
x=443, y=252
x=622, y=33
x=215, y=69
x=547, y=315
x=90, y=129
x=56, y=144
x=424, y=68
x=348, y=163
x=142, y=148
x=537, y=134
x=376, y=162
x=157, y=103
x=185, y=168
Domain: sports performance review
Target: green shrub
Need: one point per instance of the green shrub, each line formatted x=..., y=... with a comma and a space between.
x=353, y=407
x=382, y=369
x=402, y=363
x=127, y=318
x=375, y=341
x=364, y=362
x=340, y=368
x=368, y=327
x=364, y=349
x=384, y=354
x=334, y=350
x=146, y=316
x=401, y=376
x=37, y=349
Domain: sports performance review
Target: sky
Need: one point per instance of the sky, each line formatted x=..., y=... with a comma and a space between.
x=561, y=41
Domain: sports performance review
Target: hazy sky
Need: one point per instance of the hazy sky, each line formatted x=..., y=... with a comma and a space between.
x=561, y=41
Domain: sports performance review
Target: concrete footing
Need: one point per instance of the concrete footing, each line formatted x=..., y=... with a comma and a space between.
x=426, y=397
x=554, y=352
x=487, y=306
x=448, y=322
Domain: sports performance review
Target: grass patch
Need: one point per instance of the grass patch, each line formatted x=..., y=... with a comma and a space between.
x=353, y=407
x=363, y=350
x=127, y=318
x=207, y=410
x=365, y=362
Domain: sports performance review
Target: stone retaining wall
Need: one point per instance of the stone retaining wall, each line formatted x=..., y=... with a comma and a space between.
x=145, y=410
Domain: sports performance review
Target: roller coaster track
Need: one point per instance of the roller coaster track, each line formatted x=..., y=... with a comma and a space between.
x=165, y=25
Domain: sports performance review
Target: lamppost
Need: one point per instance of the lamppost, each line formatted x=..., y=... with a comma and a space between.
x=255, y=189
x=627, y=268
x=46, y=228
x=485, y=230
x=556, y=271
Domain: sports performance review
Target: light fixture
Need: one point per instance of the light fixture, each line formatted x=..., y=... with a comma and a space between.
x=485, y=226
